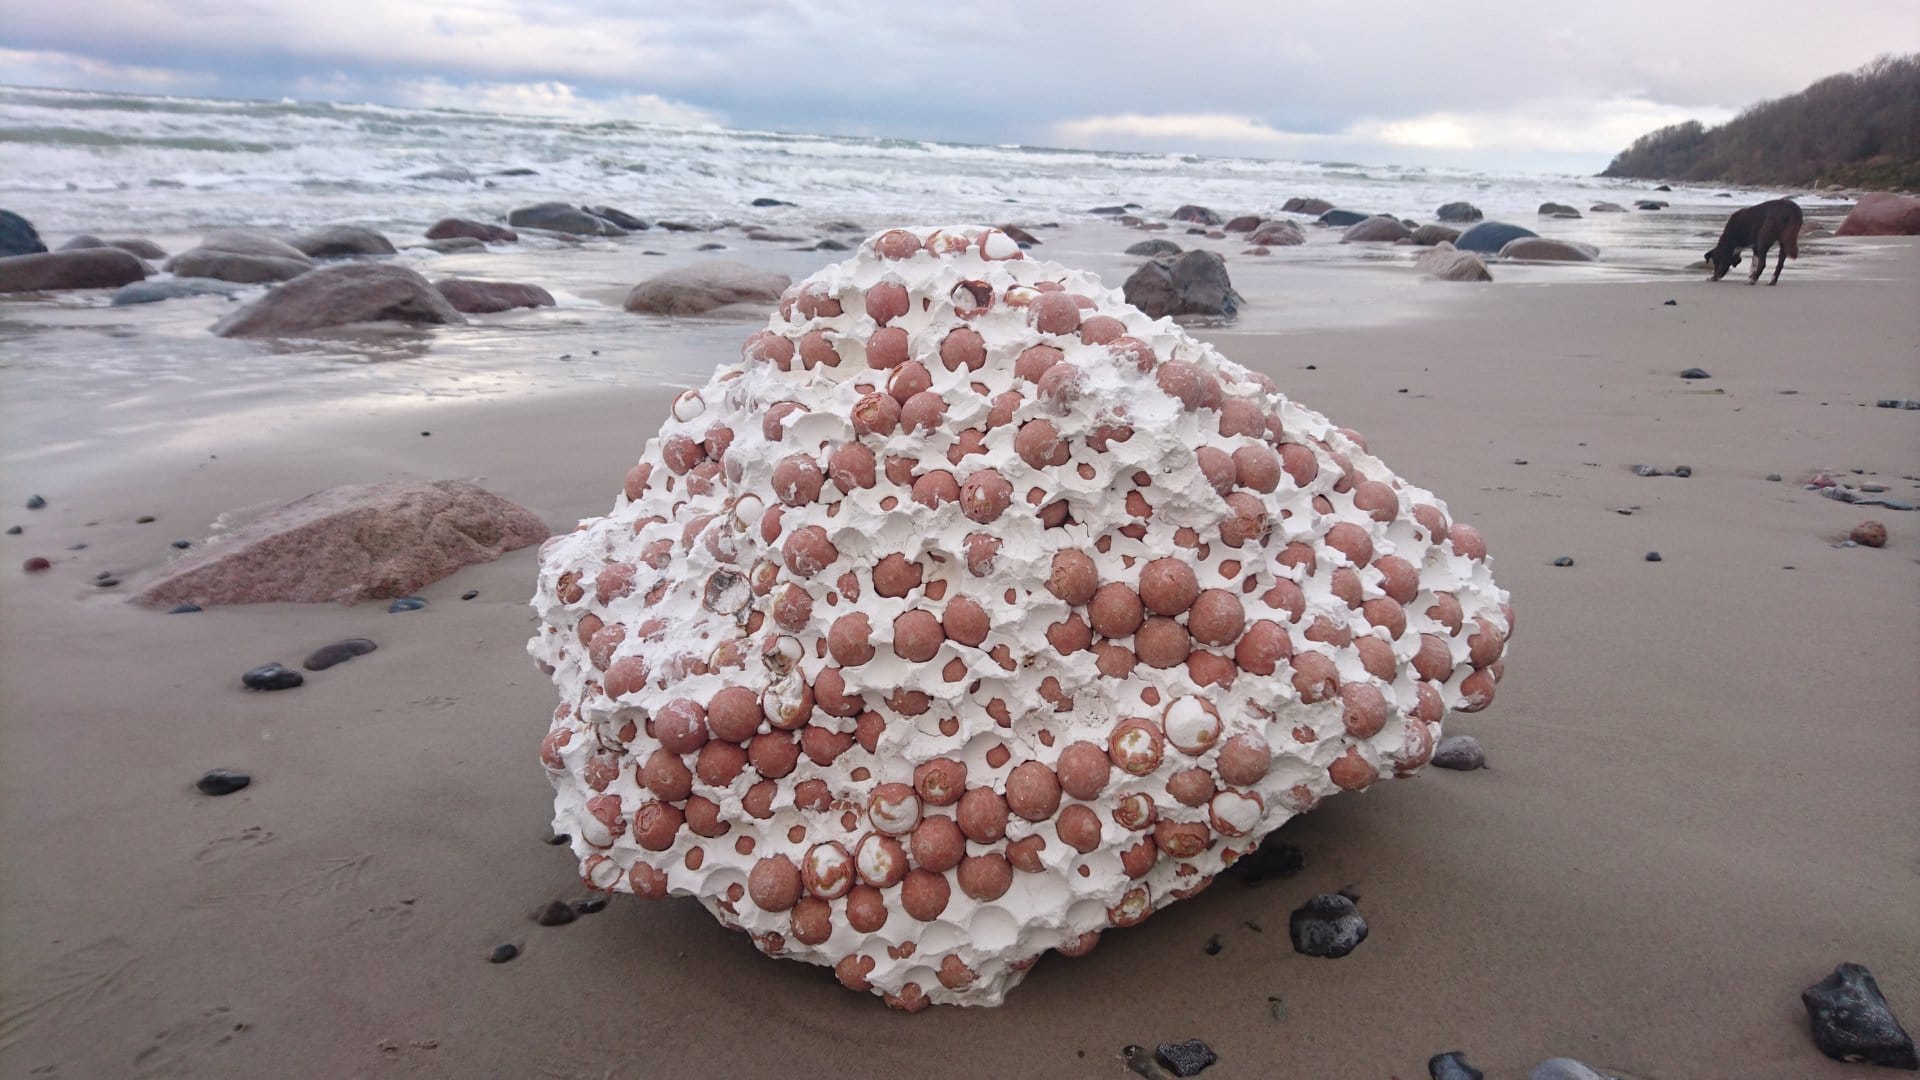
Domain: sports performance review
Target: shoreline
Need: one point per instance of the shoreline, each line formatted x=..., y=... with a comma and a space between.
x=1644, y=880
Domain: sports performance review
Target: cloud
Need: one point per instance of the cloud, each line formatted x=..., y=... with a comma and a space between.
x=65, y=70
x=1179, y=131
x=1567, y=127
x=548, y=98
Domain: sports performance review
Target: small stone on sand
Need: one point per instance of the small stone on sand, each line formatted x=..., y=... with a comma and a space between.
x=1773, y=477
x=145, y=519
x=503, y=952
x=592, y=905
x=107, y=582
x=183, y=609
x=1851, y=1020
x=1695, y=373
x=470, y=594
x=1653, y=556
x=1683, y=471
x=183, y=544
x=1329, y=925
x=1214, y=945
x=1564, y=560
x=558, y=839
x=1869, y=534
x=1188, y=1058
x=35, y=502
x=556, y=913
x=1461, y=753
x=1271, y=859
x=339, y=652
x=406, y=603
x=272, y=677
x=222, y=782
x=36, y=564
x=14, y=530
x=1452, y=1065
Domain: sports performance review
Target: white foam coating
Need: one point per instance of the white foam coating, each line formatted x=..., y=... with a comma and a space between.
x=708, y=579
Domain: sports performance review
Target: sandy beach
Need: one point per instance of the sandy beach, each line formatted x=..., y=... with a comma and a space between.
x=1701, y=796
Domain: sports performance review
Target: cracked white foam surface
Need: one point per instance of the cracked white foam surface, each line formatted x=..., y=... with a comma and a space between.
x=972, y=612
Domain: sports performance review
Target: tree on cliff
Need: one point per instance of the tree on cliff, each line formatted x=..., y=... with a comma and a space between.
x=1860, y=128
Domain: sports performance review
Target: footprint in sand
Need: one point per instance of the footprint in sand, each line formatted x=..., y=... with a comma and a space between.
x=182, y=1049
x=225, y=847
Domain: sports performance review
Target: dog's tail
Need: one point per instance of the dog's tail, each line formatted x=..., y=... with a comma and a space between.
x=1790, y=241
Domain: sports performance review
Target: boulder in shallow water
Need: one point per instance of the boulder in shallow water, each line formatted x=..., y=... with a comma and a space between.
x=1283, y=233
x=451, y=228
x=1155, y=247
x=476, y=297
x=1488, y=237
x=1199, y=215
x=562, y=218
x=1429, y=235
x=342, y=242
x=135, y=246
x=1301, y=204
x=1195, y=283
x=149, y=292
x=1541, y=249
x=351, y=543
x=1448, y=263
x=1554, y=209
x=1376, y=230
x=1606, y=208
x=234, y=266
x=241, y=242
x=1245, y=223
x=618, y=217
x=452, y=245
x=1852, y=1022
x=88, y=268
x=1882, y=213
x=338, y=295
x=1340, y=219
x=704, y=286
x=18, y=236
x=1458, y=211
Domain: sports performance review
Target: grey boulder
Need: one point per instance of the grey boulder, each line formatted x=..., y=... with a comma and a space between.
x=464, y=228
x=235, y=266
x=1301, y=204
x=562, y=218
x=1459, y=211
x=476, y=297
x=342, y=242
x=150, y=292
x=1541, y=249
x=1154, y=247
x=18, y=236
x=1194, y=283
x=1281, y=233
x=1340, y=219
x=1488, y=237
x=703, y=286
x=1448, y=263
x=1376, y=230
x=1429, y=235
x=144, y=249
x=87, y=268
x=339, y=295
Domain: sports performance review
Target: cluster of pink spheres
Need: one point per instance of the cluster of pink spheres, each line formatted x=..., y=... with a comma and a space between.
x=973, y=613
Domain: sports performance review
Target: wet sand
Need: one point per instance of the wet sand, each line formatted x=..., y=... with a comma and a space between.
x=1702, y=795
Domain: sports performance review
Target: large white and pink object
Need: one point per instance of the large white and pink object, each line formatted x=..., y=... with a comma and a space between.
x=973, y=613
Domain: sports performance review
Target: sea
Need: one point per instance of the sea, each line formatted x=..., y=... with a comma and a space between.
x=172, y=168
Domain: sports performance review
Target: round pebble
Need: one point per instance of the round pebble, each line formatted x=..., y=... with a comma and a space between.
x=502, y=953
x=556, y=913
x=36, y=564
x=470, y=594
x=1564, y=560
x=339, y=652
x=183, y=544
x=1188, y=1058
x=14, y=530
x=1869, y=534
x=35, y=502
x=1329, y=926
x=592, y=905
x=1653, y=556
x=406, y=603
x=107, y=582
x=272, y=677
x=183, y=609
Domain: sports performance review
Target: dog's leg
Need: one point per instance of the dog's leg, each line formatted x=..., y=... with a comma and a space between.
x=1759, y=262
x=1779, y=263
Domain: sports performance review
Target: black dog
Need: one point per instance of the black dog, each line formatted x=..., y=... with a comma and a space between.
x=1760, y=228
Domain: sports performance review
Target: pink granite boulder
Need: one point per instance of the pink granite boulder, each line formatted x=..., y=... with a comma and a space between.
x=351, y=543
x=1882, y=213
x=84, y=268
x=473, y=296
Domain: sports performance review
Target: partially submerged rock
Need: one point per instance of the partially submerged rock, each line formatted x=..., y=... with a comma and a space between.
x=1448, y=263
x=342, y=242
x=703, y=286
x=1154, y=248
x=351, y=543
x=1282, y=233
x=1458, y=211
x=87, y=268
x=1541, y=249
x=18, y=236
x=563, y=218
x=1305, y=205
x=1341, y=219
x=1882, y=213
x=1199, y=215
x=135, y=246
x=148, y=292
x=1557, y=210
x=236, y=267
x=1429, y=235
x=476, y=297
x=453, y=228
x=1488, y=237
x=1376, y=230
x=241, y=242
x=338, y=295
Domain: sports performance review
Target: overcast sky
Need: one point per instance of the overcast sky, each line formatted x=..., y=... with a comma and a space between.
x=1497, y=83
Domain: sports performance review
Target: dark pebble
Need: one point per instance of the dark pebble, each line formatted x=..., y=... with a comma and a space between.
x=183, y=544
x=557, y=913
x=502, y=953
x=36, y=502
x=1272, y=859
x=1452, y=1065
x=1774, y=477
x=470, y=594
x=592, y=905
x=81, y=546
x=222, y=782
x=272, y=677
x=559, y=838
x=183, y=609
x=1564, y=560
x=1683, y=471
x=1461, y=753
x=406, y=603
x=1189, y=1058
x=425, y=434
x=1671, y=303
x=1214, y=945
x=1141, y=1062
x=105, y=582
x=1851, y=1020
x=36, y=564
x=1328, y=925
x=14, y=530
x=144, y=519
x=1653, y=556
x=339, y=652
x=103, y=575
x=1695, y=373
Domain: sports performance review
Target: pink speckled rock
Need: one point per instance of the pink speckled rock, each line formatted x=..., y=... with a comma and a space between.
x=350, y=543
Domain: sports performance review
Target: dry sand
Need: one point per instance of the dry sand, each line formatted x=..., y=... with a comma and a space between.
x=1703, y=794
